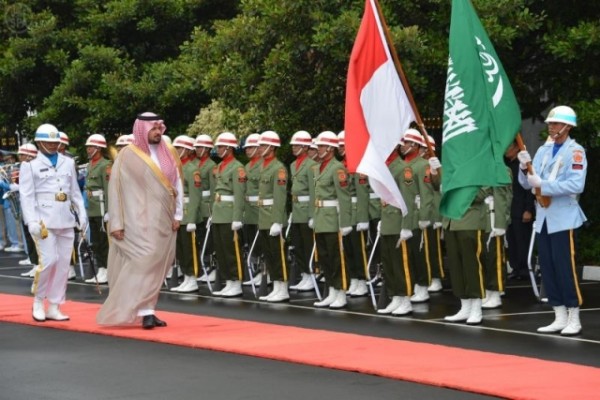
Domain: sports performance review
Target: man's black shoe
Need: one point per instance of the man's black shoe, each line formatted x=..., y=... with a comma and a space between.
x=159, y=322
x=148, y=322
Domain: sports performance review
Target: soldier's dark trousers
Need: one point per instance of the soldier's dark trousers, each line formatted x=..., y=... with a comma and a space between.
x=274, y=251
x=184, y=252
x=397, y=270
x=465, y=261
x=330, y=260
x=99, y=241
x=228, y=250
x=495, y=264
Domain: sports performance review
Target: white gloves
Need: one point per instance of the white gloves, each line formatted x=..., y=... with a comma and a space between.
x=14, y=187
x=35, y=229
x=497, y=232
x=534, y=180
x=524, y=158
x=190, y=227
x=236, y=225
x=275, y=229
x=424, y=224
x=345, y=230
x=405, y=234
x=362, y=226
x=434, y=164
x=311, y=223
x=379, y=227
x=490, y=202
x=437, y=225
x=106, y=217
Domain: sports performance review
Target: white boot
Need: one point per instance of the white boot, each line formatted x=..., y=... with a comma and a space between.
x=176, y=288
x=273, y=292
x=574, y=325
x=226, y=288
x=475, y=315
x=395, y=303
x=256, y=280
x=189, y=285
x=561, y=320
x=30, y=273
x=361, y=289
x=307, y=286
x=25, y=262
x=281, y=295
x=295, y=287
x=463, y=313
x=101, y=276
x=353, y=286
x=235, y=290
x=421, y=294
x=54, y=313
x=436, y=285
x=492, y=300
x=327, y=300
x=38, y=310
x=405, y=307
x=340, y=300
x=212, y=275
x=71, y=275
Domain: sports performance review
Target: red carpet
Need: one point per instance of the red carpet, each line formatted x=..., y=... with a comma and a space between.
x=468, y=370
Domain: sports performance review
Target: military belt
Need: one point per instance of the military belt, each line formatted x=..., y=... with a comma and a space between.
x=300, y=199
x=223, y=197
x=96, y=193
x=59, y=196
x=186, y=199
x=373, y=196
x=354, y=200
x=326, y=203
x=252, y=198
x=206, y=193
x=265, y=202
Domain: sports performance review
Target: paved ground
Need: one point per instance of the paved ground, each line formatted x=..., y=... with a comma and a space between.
x=42, y=363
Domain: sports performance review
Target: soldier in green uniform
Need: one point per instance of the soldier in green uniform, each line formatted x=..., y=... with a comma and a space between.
x=355, y=248
x=272, y=217
x=227, y=213
x=417, y=189
x=332, y=219
x=96, y=187
x=204, y=180
x=464, y=247
x=435, y=230
x=495, y=257
x=185, y=250
x=396, y=230
x=302, y=192
x=253, y=167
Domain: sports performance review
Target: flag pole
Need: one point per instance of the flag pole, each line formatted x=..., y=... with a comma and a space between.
x=400, y=71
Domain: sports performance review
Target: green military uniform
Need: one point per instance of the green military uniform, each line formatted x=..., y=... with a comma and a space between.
x=205, y=182
x=332, y=212
x=302, y=191
x=397, y=265
x=272, y=193
x=465, y=248
x=228, y=206
x=495, y=260
x=96, y=187
x=416, y=182
x=192, y=197
x=355, y=242
x=252, y=168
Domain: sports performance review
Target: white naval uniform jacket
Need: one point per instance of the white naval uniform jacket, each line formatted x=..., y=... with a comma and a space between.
x=39, y=182
x=563, y=179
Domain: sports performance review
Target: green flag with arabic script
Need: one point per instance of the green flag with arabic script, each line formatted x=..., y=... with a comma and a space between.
x=481, y=114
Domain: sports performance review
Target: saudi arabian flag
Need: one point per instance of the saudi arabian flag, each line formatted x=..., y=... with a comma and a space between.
x=481, y=114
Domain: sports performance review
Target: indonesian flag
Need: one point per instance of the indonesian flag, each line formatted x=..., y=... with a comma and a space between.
x=378, y=111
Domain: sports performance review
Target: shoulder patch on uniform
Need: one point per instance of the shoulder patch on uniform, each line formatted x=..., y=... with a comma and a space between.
x=578, y=156
x=197, y=179
x=363, y=179
x=408, y=176
x=242, y=175
x=427, y=177
x=342, y=177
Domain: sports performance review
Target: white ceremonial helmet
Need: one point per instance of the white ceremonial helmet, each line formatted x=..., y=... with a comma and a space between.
x=269, y=138
x=96, y=140
x=301, y=138
x=327, y=138
x=226, y=139
x=184, y=141
x=204, y=140
x=563, y=114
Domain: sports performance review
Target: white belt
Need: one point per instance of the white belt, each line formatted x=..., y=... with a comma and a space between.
x=326, y=203
x=302, y=199
x=373, y=196
x=96, y=193
x=224, y=197
x=206, y=193
x=186, y=199
x=252, y=198
x=265, y=202
x=48, y=197
x=354, y=200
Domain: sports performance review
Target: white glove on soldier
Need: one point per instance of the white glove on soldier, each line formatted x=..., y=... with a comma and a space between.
x=437, y=225
x=35, y=229
x=497, y=232
x=190, y=227
x=236, y=225
x=379, y=227
x=490, y=202
x=434, y=164
x=524, y=158
x=534, y=180
x=14, y=187
x=311, y=223
x=424, y=224
x=83, y=225
x=405, y=234
x=345, y=230
x=275, y=229
x=362, y=226
x=106, y=217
